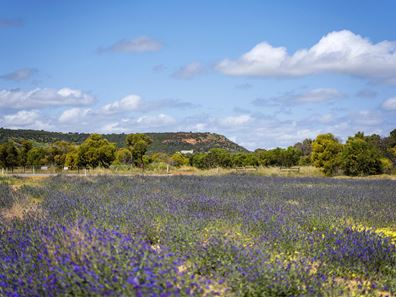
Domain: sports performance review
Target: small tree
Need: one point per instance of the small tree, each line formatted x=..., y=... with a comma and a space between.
x=9, y=155
x=25, y=147
x=123, y=156
x=58, y=151
x=360, y=158
x=325, y=153
x=178, y=159
x=138, y=144
x=218, y=157
x=71, y=159
x=96, y=151
x=37, y=156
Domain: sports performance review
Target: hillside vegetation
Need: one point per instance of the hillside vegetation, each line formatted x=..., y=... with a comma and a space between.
x=168, y=142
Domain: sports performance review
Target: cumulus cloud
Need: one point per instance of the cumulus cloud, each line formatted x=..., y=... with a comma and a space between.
x=20, y=74
x=25, y=119
x=233, y=121
x=128, y=103
x=337, y=52
x=4, y=23
x=137, y=45
x=113, y=127
x=189, y=71
x=38, y=98
x=21, y=118
x=389, y=104
x=155, y=120
x=73, y=115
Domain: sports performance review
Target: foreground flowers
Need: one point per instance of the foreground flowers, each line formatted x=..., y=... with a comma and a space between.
x=205, y=236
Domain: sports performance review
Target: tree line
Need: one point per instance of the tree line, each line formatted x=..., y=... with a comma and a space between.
x=359, y=155
x=95, y=151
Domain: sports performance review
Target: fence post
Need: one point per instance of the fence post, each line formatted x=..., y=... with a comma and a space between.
x=85, y=171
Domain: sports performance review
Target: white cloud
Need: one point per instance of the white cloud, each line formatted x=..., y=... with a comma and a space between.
x=233, y=121
x=367, y=118
x=389, y=104
x=21, y=118
x=140, y=44
x=20, y=74
x=318, y=95
x=73, y=115
x=155, y=120
x=337, y=52
x=25, y=119
x=112, y=128
x=128, y=103
x=18, y=99
x=188, y=71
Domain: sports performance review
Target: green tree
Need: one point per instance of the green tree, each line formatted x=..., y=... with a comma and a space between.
x=37, y=156
x=57, y=152
x=289, y=157
x=218, y=157
x=326, y=150
x=71, y=159
x=25, y=147
x=9, y=155
x=160, y=157
x=359, y=157
x=305, y=148
x=123, y=156
x=261, y=156
x=178, y=159
x=199, y=160
x=244, y=159
x=96, y=151
x=138, y=144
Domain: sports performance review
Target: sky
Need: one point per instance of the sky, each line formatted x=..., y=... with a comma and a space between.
x=262, y=73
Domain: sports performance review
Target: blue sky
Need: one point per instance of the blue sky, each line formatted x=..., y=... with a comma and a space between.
x=263, y=74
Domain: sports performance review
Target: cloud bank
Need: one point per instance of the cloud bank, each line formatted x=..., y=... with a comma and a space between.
x=341, y=52
x=389, y=104
x=38, y=98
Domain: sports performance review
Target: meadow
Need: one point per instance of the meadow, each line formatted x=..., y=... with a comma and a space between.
x=230, y=235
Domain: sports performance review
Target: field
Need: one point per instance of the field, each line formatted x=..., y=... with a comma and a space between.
x=231, y=235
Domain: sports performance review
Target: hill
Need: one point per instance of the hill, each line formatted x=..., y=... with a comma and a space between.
x=168, y=142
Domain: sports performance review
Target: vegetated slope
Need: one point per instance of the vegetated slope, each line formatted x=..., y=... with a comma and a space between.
x=168, y=142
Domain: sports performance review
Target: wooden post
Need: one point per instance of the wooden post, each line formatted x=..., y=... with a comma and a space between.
x=167, y=168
